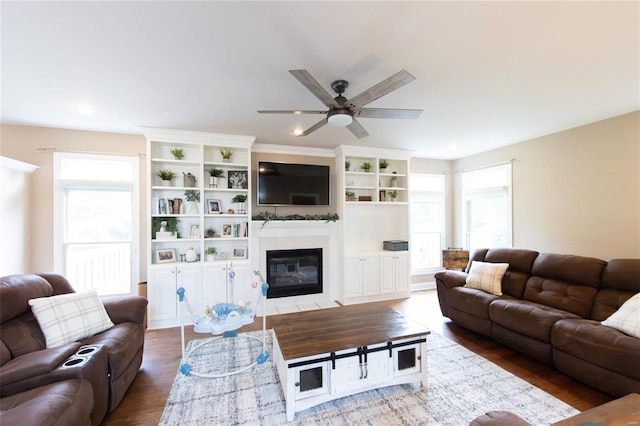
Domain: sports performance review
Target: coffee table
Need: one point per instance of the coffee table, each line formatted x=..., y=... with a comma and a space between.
x=331, y=353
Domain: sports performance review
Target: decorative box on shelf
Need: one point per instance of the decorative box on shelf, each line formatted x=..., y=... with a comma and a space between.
x=395, y=245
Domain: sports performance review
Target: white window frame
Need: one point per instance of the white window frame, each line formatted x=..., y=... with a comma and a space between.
x=498, y=191
x=62, y=185
x=442, y=196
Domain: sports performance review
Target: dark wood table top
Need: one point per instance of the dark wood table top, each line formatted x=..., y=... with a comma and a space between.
x=620, y=412
x=322, y=331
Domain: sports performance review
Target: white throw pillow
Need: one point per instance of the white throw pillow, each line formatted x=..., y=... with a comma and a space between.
x=69, y=317
x=486, y=276
x=627, y=318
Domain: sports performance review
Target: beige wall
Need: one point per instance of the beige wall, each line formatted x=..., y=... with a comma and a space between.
x=574, y=192
x=22, y=143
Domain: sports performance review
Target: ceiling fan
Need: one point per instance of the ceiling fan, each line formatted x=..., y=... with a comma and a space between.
x=342, y=111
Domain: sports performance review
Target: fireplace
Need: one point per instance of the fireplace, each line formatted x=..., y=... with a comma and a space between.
x=294, y=272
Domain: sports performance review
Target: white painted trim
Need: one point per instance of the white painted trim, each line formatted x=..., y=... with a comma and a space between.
x=423, y=286
x=264, y=148
x=366, y=151
x=181, y=136
x=18, y=165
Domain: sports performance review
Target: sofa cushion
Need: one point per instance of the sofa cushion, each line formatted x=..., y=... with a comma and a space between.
x=596, y=344
x=15, y=292
x=67, y=402
x=68, y=317
x=627, y=318
x=527, y=318
x=486, y=276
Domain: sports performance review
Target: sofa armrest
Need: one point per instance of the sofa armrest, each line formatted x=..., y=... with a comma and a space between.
x=126, y=309
x=450, y=279
x=36, y=363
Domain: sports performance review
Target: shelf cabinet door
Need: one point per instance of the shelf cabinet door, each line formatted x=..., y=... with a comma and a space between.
x=162, y=293
x=394, y=273
x=370, y=276
x=352, y=277
x=189, y=276
x=214, y=284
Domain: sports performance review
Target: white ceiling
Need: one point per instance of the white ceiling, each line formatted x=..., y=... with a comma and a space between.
x=488, y=74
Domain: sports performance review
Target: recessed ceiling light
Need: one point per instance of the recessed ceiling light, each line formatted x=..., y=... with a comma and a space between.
x=84, y=109
x=297, y=132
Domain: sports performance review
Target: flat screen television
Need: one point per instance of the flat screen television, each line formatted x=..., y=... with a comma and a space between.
x=289, y=184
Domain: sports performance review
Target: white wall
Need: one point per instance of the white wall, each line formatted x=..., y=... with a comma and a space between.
x=574, y=192
x=15, y=250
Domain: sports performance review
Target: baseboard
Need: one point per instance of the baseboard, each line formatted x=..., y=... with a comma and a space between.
x=431, y=285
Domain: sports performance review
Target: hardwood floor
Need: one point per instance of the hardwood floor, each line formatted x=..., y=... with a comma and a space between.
x=146, y=398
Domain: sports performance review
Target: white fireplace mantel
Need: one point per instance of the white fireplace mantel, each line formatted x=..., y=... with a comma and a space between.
x=299, y=234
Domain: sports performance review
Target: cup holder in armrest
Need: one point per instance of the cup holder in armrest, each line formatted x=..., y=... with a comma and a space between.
x=74, y=361
x=86, y=350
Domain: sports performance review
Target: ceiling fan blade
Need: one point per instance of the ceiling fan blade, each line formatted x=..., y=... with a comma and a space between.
x=392, y=83
x=357, y=129
x=388, y=113
x=314, y=87
x=290, y=111
x=314, y=127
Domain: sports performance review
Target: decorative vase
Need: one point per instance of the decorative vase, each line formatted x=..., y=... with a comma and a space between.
x=209, y=257
x=393, y=182
x=189, y=180
x=166, y=183
x=191, y=255
x=193, y=207
x=213, y=182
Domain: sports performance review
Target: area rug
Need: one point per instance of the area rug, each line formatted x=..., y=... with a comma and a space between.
x=461, y=386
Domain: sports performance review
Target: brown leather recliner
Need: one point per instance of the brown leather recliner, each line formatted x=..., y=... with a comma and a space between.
x=109, y=360
x=550, y=309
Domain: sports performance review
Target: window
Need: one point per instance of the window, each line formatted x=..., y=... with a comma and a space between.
x=427, y=221
x=96, y=215
x=486, y=205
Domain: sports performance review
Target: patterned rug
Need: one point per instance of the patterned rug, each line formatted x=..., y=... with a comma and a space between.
x=461, y=386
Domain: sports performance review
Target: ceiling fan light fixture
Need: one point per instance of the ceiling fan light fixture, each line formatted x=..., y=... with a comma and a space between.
x=340, y=117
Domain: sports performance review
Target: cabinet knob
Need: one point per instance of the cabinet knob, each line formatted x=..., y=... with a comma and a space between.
x=297, y=384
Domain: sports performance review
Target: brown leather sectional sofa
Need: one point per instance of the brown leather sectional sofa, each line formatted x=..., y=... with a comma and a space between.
x=76, y=383
x=551, y=309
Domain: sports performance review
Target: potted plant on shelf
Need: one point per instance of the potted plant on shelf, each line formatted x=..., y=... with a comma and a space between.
x=193, y=197
x=383, y=164
x=226, y=155
x=347, y=165
x=351, y=196
x=210, y=233
x=178, y=153
x=215, y=175
x=366, y=166
x=393, y=195
x=166, y=175
x=240, y=200
x=210, y=253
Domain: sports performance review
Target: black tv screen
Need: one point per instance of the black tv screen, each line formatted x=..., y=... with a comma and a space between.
x=288, y=184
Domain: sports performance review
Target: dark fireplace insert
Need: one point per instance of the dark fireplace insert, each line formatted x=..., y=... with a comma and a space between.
x=294, y=272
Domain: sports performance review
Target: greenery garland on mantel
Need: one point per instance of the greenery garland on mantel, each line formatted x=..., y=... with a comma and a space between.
x=268, y=216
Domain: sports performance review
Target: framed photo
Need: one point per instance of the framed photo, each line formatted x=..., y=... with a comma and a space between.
x=214, y=206
x=194, y=230
x=165, y=255
x=239, y=253
x=162, y=206
x=227, y=230
x=237, y=179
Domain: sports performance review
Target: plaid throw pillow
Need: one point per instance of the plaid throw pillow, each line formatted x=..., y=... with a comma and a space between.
x=627, y=318
x=486, y=276
x=69, y=317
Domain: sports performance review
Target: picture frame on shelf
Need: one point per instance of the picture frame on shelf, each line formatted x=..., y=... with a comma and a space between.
x=163, y=207
x=214, y=206
x=237, y=179
x=194, y=230
x=240, y=253
x=165, y=255
x=227, y=230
